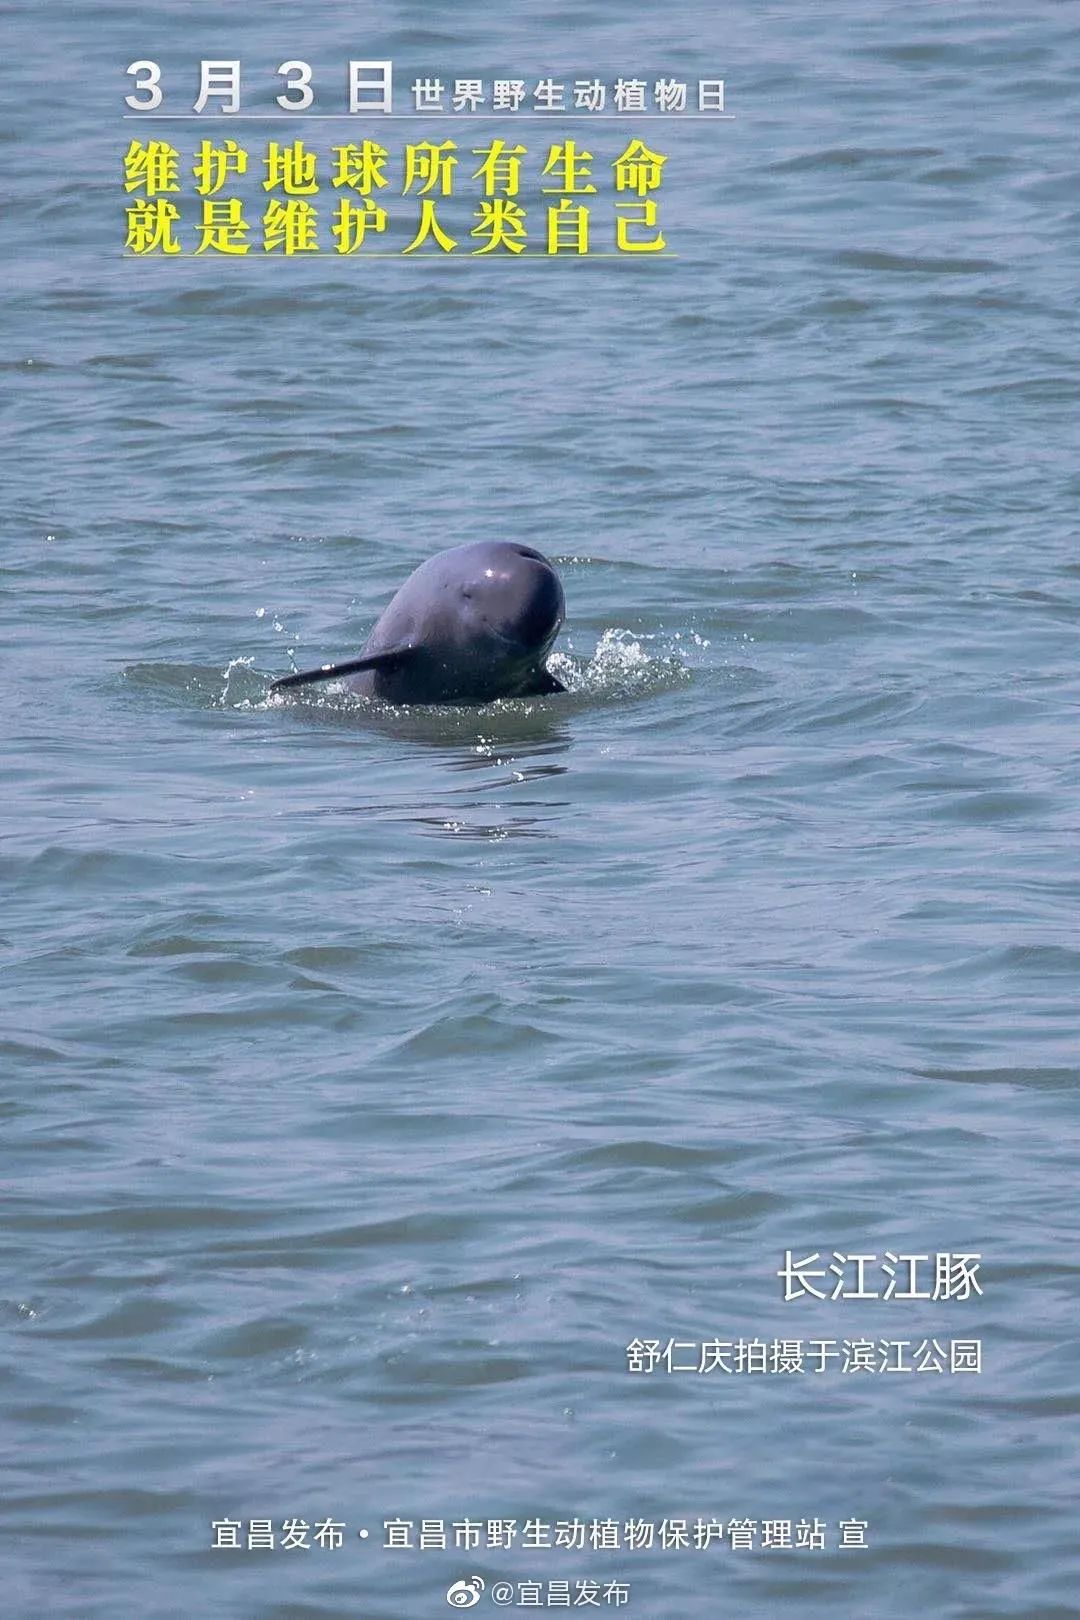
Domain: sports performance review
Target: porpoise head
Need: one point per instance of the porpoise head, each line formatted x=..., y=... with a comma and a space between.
x=478, y=620
x=511, y=595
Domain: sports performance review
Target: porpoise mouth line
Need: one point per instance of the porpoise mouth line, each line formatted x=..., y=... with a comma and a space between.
x=521, y=647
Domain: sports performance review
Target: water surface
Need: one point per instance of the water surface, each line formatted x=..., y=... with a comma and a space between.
x=372, y=1080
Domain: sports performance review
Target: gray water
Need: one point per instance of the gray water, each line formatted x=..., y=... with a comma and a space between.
x=371, y=1080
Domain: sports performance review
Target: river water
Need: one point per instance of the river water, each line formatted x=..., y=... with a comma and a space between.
x=372, y=1080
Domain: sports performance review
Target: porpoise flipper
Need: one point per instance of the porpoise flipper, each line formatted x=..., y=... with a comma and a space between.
x=544, y=684
x=350, y=666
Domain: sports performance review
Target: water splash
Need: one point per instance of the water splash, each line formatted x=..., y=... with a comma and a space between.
x=622, y=666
